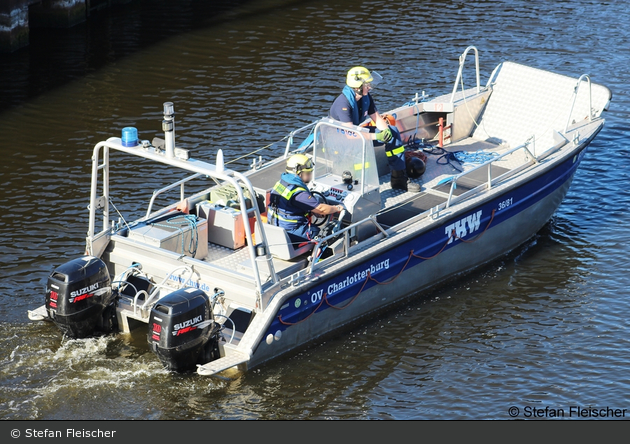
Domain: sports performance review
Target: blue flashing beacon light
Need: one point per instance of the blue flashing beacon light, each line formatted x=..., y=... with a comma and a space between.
x=129, y=136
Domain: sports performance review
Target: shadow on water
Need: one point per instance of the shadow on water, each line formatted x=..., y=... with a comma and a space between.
x=545, y=324
x=55, y=57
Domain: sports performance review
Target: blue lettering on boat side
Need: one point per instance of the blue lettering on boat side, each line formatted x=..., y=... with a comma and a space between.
x=190, y=283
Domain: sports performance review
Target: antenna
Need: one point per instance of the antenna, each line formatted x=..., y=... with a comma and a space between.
x=220, y=165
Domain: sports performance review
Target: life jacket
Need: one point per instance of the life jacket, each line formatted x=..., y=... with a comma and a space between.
x=352, y=101
x=281, y=211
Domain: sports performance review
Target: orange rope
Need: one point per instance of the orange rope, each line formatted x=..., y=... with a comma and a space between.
x=369, y=275
x=441, y=249
x=302, y=320
x=470, y=241
x=395, y=277
x=353, y=298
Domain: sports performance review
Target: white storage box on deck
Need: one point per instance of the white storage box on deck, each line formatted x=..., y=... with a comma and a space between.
x=225, y=224
x=176, y=234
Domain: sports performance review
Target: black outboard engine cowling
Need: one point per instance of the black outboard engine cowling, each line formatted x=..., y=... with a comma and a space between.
x=79, y=297
x=182, y=331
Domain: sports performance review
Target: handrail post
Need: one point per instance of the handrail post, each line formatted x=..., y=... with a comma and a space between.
x=247, y=228
x=94, y=200
x=372, y=217
x=450, y=193
x=575, y=94
x=248, y=233
x=289, y=143
x=462, y=59
x=94, y=188
x=531, y=152
x=106, y=188
x=156, y=193
x=292, y=134
x=314, y=255
x=489, y=175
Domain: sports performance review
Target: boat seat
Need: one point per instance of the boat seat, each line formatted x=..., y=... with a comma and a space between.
x=282, y=244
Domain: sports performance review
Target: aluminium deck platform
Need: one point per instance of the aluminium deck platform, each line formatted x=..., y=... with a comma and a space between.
x=397, y=205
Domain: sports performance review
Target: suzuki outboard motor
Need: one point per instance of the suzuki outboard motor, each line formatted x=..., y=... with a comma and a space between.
x=79, y=298
x=182, y=331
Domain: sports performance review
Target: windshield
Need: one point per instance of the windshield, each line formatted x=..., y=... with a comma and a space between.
x=339, y=150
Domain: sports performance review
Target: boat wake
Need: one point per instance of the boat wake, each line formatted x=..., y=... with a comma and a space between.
x=41, y=375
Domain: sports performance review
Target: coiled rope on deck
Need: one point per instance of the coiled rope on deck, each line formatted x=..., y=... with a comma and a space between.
x=475, y=156
x=180, y=222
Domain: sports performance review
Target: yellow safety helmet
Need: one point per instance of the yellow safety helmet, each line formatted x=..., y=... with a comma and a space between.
x=357, y=76
x=299, y=163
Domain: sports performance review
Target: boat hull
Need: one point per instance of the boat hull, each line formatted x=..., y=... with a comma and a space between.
x=460, y=244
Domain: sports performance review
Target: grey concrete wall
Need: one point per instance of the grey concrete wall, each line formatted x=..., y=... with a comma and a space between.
x=57, y=13
x=18, y=16
x=13, y=24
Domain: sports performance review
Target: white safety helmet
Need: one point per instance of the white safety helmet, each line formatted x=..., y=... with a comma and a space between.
x=299, y=163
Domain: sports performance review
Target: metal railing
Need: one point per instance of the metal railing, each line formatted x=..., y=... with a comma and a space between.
x=319, y=243
x=237, y=180
x=292, y=134
x=313, y=258
x=179, y=183
x=462, y=59
x=487, y=164
x=575, y=95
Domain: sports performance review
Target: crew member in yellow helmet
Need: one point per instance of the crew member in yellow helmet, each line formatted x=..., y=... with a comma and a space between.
x=291, y=202
x=355, y=105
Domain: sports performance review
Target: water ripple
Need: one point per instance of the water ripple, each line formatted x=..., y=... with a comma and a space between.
x=544, y=325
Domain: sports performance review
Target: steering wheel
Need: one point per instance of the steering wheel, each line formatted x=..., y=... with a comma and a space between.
x=316, y=220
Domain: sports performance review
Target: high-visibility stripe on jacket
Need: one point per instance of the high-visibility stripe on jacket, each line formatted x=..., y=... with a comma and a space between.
x=282, y=211
x=395, y=152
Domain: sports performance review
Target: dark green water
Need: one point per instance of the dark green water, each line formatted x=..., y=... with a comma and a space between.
x=544, y=326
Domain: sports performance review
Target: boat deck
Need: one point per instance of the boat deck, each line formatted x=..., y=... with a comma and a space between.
x=397, y=205
x=436, y=172
x=239, y=260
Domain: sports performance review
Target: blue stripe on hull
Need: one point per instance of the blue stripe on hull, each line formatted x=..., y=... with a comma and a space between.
x=341, y=289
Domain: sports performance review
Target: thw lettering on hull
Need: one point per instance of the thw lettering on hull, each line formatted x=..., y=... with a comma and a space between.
x=464, y=226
